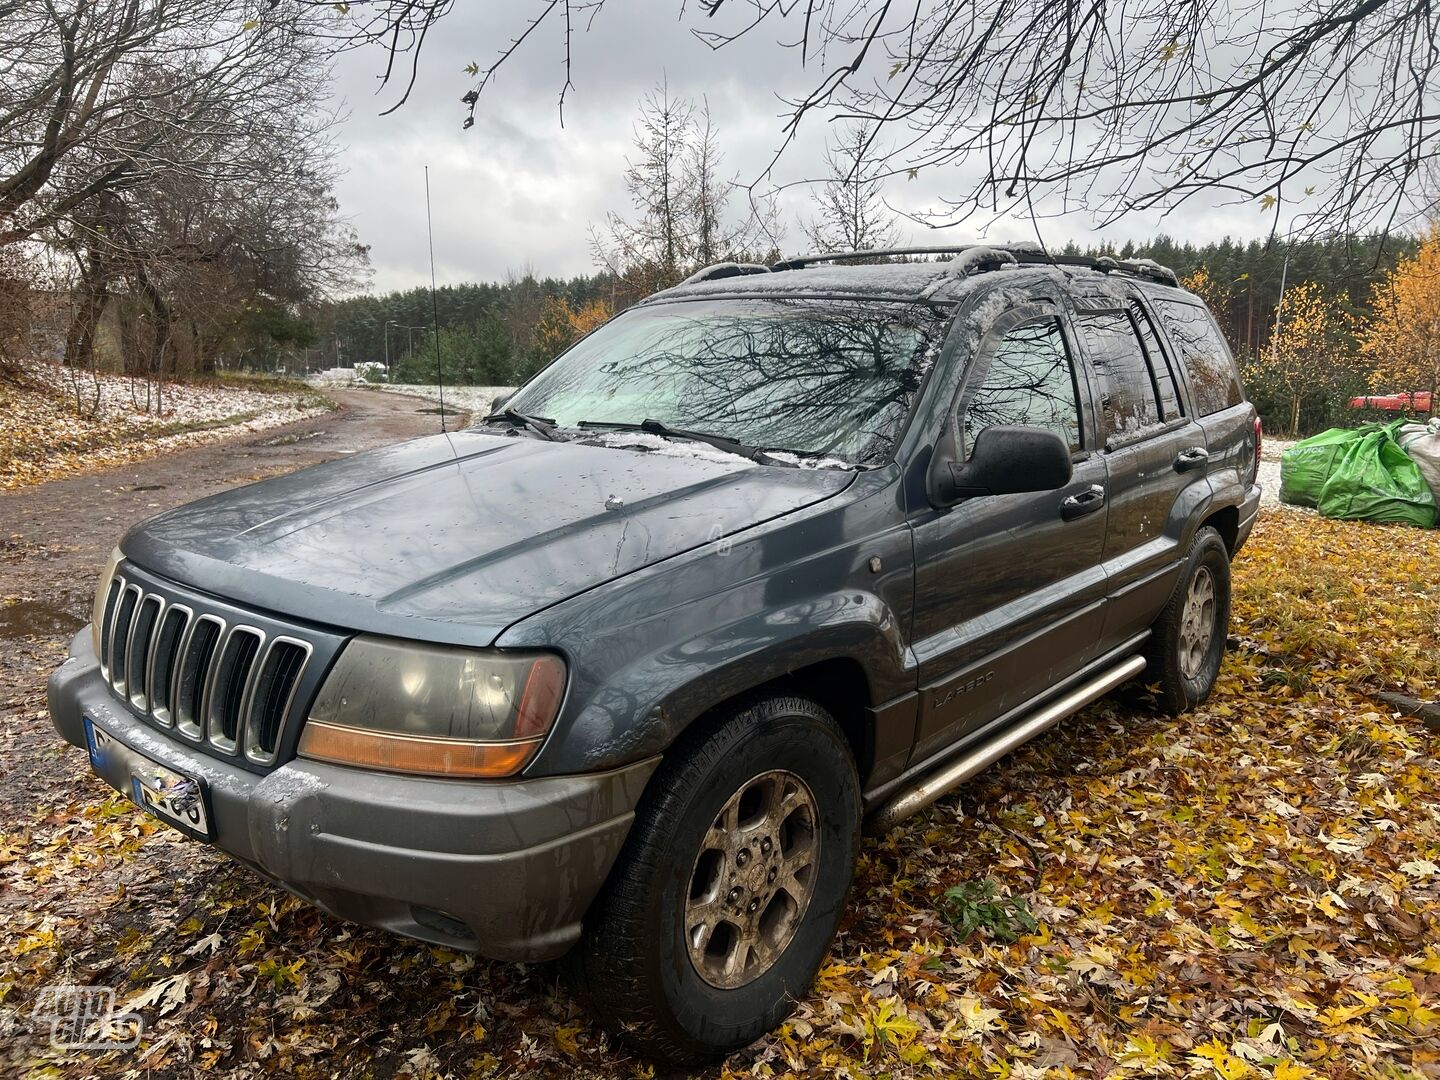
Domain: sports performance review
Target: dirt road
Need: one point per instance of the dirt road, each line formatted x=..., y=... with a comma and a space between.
x=94, y=893
x=54, y=539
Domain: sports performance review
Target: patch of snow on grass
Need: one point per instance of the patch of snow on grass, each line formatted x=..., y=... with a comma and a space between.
x=121, y=399
x=476, y=400
x=44, y=436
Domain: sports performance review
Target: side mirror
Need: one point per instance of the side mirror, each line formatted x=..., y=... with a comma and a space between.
x=498, y=401
x=1006, y=460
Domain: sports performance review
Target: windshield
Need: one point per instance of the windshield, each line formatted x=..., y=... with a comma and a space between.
x=820, y=378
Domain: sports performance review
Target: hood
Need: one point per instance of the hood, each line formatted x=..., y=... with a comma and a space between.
x=455, y=537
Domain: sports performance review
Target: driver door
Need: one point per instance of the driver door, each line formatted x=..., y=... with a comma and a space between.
x=1010, y=589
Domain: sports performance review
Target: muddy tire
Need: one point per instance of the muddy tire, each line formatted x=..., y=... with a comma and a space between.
x=1187, y=643
x=724, y=901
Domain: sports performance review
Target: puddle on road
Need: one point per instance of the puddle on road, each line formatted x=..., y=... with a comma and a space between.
x=33, y=618
x=436, y=412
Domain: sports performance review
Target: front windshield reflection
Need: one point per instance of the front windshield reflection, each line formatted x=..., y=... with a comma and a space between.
x=820, y=378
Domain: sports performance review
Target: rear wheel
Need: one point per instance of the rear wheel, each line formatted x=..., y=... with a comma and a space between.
x=1187, y=643
x=725, y=899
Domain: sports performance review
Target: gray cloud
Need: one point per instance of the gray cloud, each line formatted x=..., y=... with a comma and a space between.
x=518, y=190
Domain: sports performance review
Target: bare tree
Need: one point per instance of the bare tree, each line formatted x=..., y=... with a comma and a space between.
x=657, y=237
x=105, y=95
x=850, y=210
x=717, y=231
x=1322, y=112
x=683, y=201
x=182, y=157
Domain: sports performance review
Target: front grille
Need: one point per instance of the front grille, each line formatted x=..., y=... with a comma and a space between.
x=229, y=681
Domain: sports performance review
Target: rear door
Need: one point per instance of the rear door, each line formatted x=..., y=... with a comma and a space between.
x=1155, y=454
x=1010, y=592
x=1217, y=399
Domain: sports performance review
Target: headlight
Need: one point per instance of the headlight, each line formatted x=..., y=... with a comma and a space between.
x=438, y=710
x=102, y=592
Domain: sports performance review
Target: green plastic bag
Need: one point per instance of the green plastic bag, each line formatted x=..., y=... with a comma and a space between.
x=1306, y=466
x=1376, y=480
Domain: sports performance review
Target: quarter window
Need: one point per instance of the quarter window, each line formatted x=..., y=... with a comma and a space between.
x=1204, y=353
x=1131, y=400
x=1159, y=364
x=1026, y=378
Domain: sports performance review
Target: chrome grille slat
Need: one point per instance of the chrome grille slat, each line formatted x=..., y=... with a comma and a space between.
x=275, y=688
x=107, y=622
x=120, y=636
x=169, y=637
x=197, y=671
x=143, y=628
x=231, y=679
x=225, y=685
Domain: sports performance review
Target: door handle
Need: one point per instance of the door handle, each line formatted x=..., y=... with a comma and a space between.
x=1086, y=502
x=1191, y=458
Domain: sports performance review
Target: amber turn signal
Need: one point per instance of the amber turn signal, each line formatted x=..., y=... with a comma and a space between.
x=422, y=755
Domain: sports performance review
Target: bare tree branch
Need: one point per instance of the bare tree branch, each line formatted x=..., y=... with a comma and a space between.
x=1323, y=112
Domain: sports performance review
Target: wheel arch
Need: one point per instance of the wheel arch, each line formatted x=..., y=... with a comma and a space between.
x=839, y=685
x=1225, y=521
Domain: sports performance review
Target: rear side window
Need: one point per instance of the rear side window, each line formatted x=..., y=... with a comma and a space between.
x=1204, y=354
x=1160, y=370
x=1131, y=398
x=1026, y=378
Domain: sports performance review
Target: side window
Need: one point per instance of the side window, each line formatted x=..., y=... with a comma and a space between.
x=1170, y=408
x=1204, y=353
x=1131, y=399
x=1026, y=377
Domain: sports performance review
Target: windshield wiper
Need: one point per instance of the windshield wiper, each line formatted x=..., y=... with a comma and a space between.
x=720, y=442
x=540, y=425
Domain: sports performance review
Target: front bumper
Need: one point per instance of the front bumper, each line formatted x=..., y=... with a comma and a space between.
x=504, y=869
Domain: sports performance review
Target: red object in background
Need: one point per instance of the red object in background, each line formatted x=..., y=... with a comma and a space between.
x=1420, y=401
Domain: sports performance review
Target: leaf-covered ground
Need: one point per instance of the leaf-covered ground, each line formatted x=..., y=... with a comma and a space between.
x=55, y=422
x=1252, y=890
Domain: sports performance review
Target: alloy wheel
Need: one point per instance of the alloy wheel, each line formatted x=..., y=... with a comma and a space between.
x=753, y=879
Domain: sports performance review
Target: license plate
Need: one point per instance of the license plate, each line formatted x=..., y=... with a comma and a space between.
x=173, y=797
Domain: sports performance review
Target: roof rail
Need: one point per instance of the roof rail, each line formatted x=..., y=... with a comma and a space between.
x=1108, y=264
x=799, y=262
x=967, y=259
x=724, y=270
x=1023, y=251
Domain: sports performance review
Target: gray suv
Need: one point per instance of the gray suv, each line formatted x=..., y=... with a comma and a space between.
x=620, y=673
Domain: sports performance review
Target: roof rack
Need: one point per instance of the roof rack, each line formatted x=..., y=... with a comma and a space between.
x=724, y=270
x=1106, y=264
x=1024, y=251
x=970, y=258
x=799, y=262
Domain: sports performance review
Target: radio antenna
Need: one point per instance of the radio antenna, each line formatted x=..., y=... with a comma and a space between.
x=434, y=303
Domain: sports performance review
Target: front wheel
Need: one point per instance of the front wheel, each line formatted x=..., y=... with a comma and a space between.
x=725, y=899
x=1187, y=643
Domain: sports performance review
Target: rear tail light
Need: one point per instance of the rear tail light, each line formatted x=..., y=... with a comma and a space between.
x=1259, y=441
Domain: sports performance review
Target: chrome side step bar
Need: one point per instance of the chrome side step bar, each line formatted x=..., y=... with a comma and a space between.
x=924, y=790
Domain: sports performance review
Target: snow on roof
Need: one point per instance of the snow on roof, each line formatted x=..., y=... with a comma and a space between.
x=884, y=279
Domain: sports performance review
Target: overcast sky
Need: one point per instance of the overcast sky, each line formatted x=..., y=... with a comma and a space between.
x=518, y=191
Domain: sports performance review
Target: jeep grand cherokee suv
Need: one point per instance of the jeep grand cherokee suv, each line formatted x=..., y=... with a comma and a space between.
x=621, y=672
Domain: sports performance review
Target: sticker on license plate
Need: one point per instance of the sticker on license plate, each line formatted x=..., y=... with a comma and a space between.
x=173, y=797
